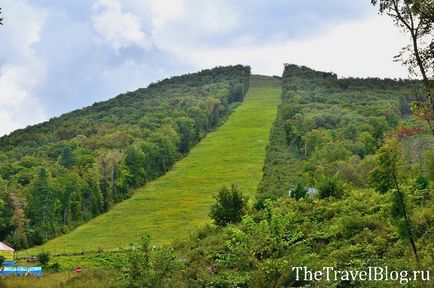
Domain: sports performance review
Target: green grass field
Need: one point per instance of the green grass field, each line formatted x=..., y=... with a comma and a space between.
x=174, y=205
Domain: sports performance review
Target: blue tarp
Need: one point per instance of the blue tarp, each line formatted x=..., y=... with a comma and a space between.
x=9, y=263
x=21, y=271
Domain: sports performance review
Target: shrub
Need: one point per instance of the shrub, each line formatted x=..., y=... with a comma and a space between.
x=421, y=182
x=146, y=269
x=299, y=192
x=230, y=206
x=330, y=187
x=260, y=203
x=43, y=258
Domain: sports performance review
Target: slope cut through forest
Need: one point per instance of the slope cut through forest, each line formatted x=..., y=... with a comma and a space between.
x=177, y=203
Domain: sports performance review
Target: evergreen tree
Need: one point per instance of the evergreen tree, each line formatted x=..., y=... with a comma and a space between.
x=41, y=206
x=135, y=162
x=230, y=206
x=66, y=158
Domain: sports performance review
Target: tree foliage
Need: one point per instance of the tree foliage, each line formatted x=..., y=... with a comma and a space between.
x=389, y=176
x=58, y=174
x=416, y=17
x=147, y=268
x=229, y=207
x=330, y=187
x=43, y=258
x=299, y=192
x=328, y=126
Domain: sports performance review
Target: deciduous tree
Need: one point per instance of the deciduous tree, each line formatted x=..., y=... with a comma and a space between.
x=416, y=17
x=389, y=176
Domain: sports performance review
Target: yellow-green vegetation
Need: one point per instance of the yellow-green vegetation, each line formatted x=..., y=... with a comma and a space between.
x=59, y=174
x=94, y=279
x=176, y=204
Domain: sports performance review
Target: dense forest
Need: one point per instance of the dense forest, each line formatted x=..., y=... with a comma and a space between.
x=58, y=174
x=355, y=142
x=328, y=126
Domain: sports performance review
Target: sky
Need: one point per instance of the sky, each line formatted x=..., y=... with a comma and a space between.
x=57, y=56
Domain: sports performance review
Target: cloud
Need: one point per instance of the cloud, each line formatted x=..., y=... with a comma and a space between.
x=21, y=71
x=120, y=29
x=226, y=22
x=363, y=48
x=56, y=56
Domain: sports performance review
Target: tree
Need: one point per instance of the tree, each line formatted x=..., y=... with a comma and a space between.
x=186, y=132
x=147, y=270
x=71, y=185
x=19, y=220
x=66, y=157
x=41, y=205
x=389, y=176
x=135, y=162
x=166, y=140
x=236, y=92
x=93, y=199
x=108, y=168
x=330, y=187
x=1, y=18
x=230, y=206
x=416, y=17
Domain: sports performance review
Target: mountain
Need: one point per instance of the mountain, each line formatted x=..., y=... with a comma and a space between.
x=345, y=180
x=61, y=173
x=177, y=204
x=369, y=166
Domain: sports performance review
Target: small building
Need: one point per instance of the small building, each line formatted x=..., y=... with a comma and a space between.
x=7, y=252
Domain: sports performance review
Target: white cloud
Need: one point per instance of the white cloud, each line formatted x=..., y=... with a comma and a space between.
x=68, y=54
x=18, y=107
x=22, y=71
x=120, y=29
x=164, y=11
x=362, y=49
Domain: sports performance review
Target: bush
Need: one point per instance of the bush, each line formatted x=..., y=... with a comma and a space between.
x=230, y=206
x=421, y=182
x=260, y=203
x=146, y=269
x=43, y=258
x=55, y=267
x=299, y=192
x=330, y=187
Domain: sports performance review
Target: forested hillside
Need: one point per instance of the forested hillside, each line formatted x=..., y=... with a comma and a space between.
x=58, y=174
x=328, y=126
x=372, y=165
x=368, y=161
x=177, y=204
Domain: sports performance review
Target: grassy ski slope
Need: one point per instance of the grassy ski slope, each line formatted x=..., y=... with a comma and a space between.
x=172, y=206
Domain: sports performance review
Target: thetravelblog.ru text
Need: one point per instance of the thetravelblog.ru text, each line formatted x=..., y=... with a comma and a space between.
x=303, y=273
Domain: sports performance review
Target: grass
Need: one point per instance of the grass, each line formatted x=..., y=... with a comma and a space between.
x=94, y=279
x=174, y=205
